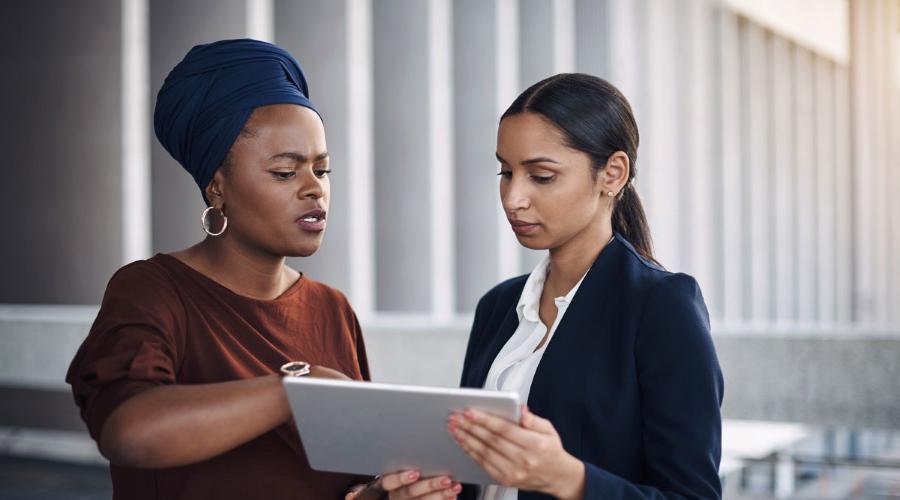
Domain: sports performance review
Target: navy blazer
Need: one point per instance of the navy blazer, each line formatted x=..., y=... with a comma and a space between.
x=630, y=378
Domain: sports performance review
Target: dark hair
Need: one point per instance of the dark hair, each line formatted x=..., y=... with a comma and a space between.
x=596, y=119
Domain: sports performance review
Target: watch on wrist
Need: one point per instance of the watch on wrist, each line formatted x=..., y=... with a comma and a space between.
x=295, y=369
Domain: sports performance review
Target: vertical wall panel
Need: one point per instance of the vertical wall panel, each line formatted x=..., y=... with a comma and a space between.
x=61, y=183
x=878, y=49
x=826, y=190
x=729, y=137
x=401, y=140
x=756, y=173
x=843, y=198
x=360, y=156
x=697, y=219
x=660, y=183
x=782, y=119
x=136, y=124
x=862, y=97
x=593, y=24
x=480, y=227
x=889, y=286
x=441, y=163
x=804, y=208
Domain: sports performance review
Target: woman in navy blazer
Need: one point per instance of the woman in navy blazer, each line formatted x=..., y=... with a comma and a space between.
x=627, y=385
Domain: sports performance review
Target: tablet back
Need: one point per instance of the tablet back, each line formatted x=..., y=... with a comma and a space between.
x=372, y=428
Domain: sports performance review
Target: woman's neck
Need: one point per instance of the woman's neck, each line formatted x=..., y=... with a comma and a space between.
x=242, y=270
x=570, y=261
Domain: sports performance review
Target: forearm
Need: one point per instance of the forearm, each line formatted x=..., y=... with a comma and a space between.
x=177, y=425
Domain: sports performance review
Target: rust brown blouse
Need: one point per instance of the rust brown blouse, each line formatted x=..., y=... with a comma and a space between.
x=162, y=322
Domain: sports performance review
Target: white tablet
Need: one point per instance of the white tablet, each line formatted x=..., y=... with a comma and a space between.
x=372, y=428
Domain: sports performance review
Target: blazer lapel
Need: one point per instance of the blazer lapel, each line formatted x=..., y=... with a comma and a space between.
x=492, y=348
x=588, y=307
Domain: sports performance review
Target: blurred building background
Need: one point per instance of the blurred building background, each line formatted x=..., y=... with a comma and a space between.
x=769, y=166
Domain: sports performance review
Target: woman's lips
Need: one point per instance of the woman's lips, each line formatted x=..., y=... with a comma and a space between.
x=314, y=226
x=523, y=228
x=312, y=221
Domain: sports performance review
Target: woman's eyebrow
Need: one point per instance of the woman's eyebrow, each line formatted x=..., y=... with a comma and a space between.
x=539, y=159
x=298, y=157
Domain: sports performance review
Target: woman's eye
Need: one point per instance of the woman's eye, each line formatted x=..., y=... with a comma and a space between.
x=320, y=173
x=505, y=174
x=283, y=176
x=543, y=179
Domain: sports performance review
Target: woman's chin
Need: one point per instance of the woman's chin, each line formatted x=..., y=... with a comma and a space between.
x=305, y=249
x=532, y=243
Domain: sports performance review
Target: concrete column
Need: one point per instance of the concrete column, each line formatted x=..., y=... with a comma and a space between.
x=486, y=79
x=61, y=185
x=175, y=27
x=782, y=142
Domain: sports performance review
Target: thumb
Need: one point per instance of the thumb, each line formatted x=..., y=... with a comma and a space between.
x=535, y=423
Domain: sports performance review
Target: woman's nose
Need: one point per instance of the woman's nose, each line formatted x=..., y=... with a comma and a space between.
x=312, y=186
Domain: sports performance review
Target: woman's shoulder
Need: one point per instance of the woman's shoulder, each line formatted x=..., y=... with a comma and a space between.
x=143, y=291
x=150, y=276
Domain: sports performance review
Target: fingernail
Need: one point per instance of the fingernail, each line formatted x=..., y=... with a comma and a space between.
x=446, y=482
x=457, y=488
x=413, y=475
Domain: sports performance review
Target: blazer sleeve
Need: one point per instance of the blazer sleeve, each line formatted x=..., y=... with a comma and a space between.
x=681, y=394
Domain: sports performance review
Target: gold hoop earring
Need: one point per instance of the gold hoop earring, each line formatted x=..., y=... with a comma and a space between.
x=207, y=225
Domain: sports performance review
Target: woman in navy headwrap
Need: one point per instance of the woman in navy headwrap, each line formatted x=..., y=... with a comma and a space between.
x=178, y=380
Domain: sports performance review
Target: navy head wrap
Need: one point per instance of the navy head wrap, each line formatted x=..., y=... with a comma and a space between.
x=208, y=97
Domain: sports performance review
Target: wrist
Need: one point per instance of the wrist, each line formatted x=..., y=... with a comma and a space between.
x=570, y=485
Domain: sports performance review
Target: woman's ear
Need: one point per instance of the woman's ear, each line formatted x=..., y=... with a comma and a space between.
x=214, y=189
x=614, y=175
